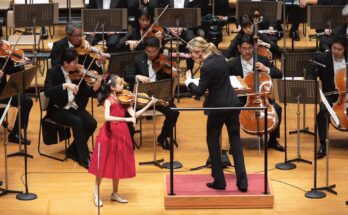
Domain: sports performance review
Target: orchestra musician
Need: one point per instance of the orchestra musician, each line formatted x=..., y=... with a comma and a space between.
x=67, y=103
x=25, y=101
x=74, y=39
x=334, y=60
x=132, y=40
x=214, y=78
x=111, y=38
x=143, y=70
x=296, y=15
x=248, y=28
x=242, y=65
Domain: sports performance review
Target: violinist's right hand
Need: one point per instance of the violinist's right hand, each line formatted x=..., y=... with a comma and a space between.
x=69, y=86
x=131, y=119
x=142, y=79
x=132, y=44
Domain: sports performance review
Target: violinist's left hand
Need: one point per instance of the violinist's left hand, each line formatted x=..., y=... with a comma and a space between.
x=102, y=58
x=97, y=84
x=262, y=68
x=153, y=100
x=176, y=31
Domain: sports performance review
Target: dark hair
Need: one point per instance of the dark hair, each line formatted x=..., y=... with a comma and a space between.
x=69, y=55
x=246, y=21
x=105, y=89
x=152, y=42
x=340, y=40
x=246, y=39
x=144, y=11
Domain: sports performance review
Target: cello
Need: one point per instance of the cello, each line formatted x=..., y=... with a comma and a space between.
x=253, y=121
x=340, y=106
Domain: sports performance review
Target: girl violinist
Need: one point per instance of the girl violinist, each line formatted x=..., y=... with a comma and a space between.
x=114, y=146
x=214, y=78
x=131, y=41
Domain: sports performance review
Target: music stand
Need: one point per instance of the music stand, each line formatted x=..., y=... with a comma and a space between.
x=32, y=15
x=270, y=10
x=297, y=91
x=296, y=65
x=4, y=191
x=119, y=62
x=17, y=84
x=110, y=20
x=178, y=17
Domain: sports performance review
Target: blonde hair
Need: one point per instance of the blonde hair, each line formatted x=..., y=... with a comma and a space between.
x=200, y=44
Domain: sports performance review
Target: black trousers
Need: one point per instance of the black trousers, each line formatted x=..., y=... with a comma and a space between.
x=214, y=127
x=133, y=7
x=296, y=15
x=166, y=128
x=26, y=105
x=322, y=116
x=111, y=40
x=83, y=126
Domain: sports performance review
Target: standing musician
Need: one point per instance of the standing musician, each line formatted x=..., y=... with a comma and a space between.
x=334, y=60
x=248, y=29
x=242, y=65
x=214, y=78
x=68, y=102
x=132, y=41
x=144, y=70
x=74, y=39
x=111, y=38
x=26, y=102
x=296, y=14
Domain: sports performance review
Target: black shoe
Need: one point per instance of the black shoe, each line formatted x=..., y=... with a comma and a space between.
x=322, y=151
x=15, y=139
x=85, y=164
x=215, y=186
x=163, y=142
x=294, y=35
x=275, y=145
x=242, y=182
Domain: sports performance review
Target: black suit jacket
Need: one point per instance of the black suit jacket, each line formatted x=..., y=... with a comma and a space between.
x=235, y=67
x=60, y=46
x=326, y=75
x=141, y=67
x=215, y=79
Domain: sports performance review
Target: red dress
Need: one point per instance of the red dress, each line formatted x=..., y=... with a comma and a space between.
x=116, y=147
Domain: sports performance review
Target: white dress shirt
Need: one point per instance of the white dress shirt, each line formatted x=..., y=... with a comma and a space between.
x=152, y=73
x=71, y=96
x=106, y=4
x=247, y=66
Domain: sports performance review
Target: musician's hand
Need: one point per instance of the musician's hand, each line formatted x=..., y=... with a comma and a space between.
x=101, y=59
x=260, y=67
x=73, y=87
x=92, y=34
x=261, y=43
x=110, y=33
x=130, y=119
x=271, y=29
x=146, y=1
x=328, y=31
x=303, y=3
x=1, y=73
x=188, y=74
x=153, y=100
x=142, y=79
x=176, y=31
x=159, y=35
x=132, y=44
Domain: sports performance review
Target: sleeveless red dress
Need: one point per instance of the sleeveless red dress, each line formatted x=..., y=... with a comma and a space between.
x=116, y=157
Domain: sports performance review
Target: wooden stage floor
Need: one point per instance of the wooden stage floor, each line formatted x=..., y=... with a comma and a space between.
x=66, y=188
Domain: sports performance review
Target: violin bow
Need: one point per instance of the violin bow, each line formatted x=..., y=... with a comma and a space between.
x=135, y=102
x=154, y=22
x=90, y=43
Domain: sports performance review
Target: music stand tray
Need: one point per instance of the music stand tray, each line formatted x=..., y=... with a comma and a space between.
x=182, y=17
x=110, y=20
x=270, y=10
x=319, y=16
x=25, y=13
x=119, y=62
x=299, y=92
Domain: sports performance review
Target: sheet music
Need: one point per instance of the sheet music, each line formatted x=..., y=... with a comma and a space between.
x=6, y=110
x=235, y=83
x=329, y=108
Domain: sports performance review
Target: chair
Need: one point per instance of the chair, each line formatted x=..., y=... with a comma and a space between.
x=43, y=100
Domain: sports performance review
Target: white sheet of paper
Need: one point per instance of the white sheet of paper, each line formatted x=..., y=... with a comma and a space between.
x=329, y=108
x=235, y=83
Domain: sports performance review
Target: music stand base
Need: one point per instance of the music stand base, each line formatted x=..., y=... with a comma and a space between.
x=300, y=160
x=305, y=131
x=154, y=162
x=20, y=154
x=26, y=196
x=5, y=192
x=315, y=194
x=224, y=159
x=329, y=189
x=176, y=165
x=285, y=166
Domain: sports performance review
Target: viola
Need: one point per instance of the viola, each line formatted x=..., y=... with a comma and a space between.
x=340, y=105
x=127, y=98
x=7, y=51
x=94, y=51
x=161, y=63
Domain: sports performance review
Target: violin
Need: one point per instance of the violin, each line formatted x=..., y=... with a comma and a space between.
x=152, y=31
x=127, y=98
x=85, y=48
x=7, y=51
x=162, y=63
x=81, y=73
x=340, y=105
